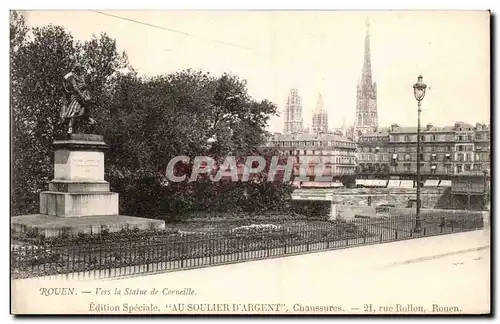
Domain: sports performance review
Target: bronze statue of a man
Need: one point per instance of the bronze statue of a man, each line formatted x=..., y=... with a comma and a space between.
x=77, y=99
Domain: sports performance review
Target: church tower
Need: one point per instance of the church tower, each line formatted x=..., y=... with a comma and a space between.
x=293, y=113
x=320, y=117
x=366, y=96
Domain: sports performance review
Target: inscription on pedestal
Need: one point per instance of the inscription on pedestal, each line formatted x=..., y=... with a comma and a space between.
x=86, y=166
x=79, y=165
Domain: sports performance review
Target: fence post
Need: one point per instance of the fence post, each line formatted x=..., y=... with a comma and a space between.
x=183, y=257
x=396, y=231
x=425, y=230
x=442, y=224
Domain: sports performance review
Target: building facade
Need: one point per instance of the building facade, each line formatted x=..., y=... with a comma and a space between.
x=293, y=113
x=482, y=156
x=320, y=118
x=334, y=153
x=445, y=152
x=366, y=94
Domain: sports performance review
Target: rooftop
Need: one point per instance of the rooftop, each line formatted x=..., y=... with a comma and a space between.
x=309, y=137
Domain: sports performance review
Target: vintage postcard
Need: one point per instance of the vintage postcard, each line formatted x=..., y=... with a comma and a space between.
x=250, y=162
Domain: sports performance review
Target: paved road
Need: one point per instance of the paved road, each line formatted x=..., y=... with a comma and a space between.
x=416, y=274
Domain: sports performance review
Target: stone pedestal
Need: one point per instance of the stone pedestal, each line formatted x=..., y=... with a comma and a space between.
x=79, y=190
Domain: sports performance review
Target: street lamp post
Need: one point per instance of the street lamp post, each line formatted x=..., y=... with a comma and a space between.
x=419, y=92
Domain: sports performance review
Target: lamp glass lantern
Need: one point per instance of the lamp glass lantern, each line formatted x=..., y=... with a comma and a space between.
x=419, y=89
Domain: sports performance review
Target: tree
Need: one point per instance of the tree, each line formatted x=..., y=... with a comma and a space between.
x=145, y=121
x=157, y=119
x=40, y=57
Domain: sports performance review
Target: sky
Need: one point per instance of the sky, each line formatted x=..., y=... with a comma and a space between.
x=315, y=52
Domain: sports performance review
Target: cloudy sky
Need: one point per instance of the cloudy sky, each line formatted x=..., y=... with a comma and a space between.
x=314, y=51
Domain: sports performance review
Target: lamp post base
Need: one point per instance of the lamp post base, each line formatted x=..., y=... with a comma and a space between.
x=418, y=226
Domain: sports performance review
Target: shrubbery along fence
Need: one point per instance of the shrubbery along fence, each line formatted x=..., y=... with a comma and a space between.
x=133, y=252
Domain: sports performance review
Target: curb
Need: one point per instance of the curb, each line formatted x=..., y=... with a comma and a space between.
x=437, y=256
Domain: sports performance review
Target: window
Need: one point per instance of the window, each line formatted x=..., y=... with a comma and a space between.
x=422, y=138
x=407, y=138
x=433, y=168
x=460, y=148
x=433, y=137
x=422, y=157
x=467, y=167
x=407, y=157
x=407, y=167
x=433, y=157
x=459, y=168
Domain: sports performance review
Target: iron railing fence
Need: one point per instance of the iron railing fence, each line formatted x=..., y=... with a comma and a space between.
x=117, y=256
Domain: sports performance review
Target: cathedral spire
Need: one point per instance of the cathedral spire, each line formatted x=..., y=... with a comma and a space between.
x=320, y=117
x=366, y=77
x=366, y=92
x=320, y=106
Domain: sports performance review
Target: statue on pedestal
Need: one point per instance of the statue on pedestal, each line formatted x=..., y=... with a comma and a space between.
x=77, y=100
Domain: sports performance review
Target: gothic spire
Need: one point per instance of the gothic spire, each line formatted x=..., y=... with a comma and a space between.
x=320, y=106
x=366, y=78
x=366, y=106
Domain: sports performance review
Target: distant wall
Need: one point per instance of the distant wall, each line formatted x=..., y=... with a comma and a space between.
x=349, y=212
x=399, y=197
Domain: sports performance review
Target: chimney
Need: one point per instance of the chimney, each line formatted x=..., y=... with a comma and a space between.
x=428, y=127
x=394, y=127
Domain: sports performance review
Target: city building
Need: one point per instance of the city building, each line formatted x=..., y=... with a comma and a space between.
x=482, y=147
x=293, y=113
x=366, y=94
x=335, y=153
x=391, y=153
x=320, y=118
